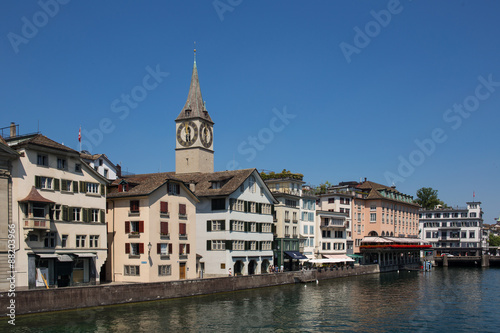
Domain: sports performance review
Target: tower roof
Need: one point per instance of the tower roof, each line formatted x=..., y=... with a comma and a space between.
x=194, y=107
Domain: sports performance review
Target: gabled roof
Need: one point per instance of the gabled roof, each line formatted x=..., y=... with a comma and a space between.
x=143, y=184
x=194, y=101
x=43, y=141
x=373, y=191
x=6, y=150
x=34, y=196
x=230, y=181
x=95, y=157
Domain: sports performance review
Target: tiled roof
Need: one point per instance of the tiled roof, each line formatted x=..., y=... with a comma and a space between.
x=230, y=181
x=374, y=188
x=142, y=184
x=34, y=196
x=42, y=140
x=194, y=100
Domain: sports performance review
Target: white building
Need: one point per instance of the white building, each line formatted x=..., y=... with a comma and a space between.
x=59, y=210
x=307, y=224
x=457, y=231
x=101, y=164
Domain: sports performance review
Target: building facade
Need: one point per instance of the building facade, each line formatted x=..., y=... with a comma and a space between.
x=101, y=164
x=307, y=225
x=152, y=227
x=456, y=231
x=58, y=208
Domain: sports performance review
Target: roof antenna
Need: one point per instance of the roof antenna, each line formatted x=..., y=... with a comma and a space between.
x=195, y=52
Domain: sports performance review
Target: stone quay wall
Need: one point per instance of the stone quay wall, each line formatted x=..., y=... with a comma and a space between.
x=45, y=300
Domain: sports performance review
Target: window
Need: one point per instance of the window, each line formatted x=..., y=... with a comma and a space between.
x=287, y=231
x=164, y=270
x=164, y=249
x=77, y=214
x=373, y=217
x=216, y=225
x=183, y=249
x=331, y=200
x=218, y=204
x=287, y=215
x=239, y=245
x=266, y=227
x=182, y=209
x=134, y=206
x=45, y=183
x=106, y=172
x=94, y=215
x=134, y=249
x=472, y=234
x=311, y=230
x=94, y=241
x=253, y=245
x=373, y=208
x=38, y=210
x=174, y=189
x=305, y=229
x=50, y=239
x=472, y=214
x=62, y=164
x=294, y=231
x=66, y=185
x=134, y=227
x=217, y=245
x=164, y=228
x=42, y=160
x=131, y=270
x=182, y=229
x=237, y=226
x=252, y=184
x=78, y=167
x=93, y=188
x=266, y=245
x=80, y=240
x=64, y=240
x=163, y=207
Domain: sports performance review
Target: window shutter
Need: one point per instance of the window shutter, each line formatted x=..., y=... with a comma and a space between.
x=259, y=227
x=247, y=245
x=170, y=248
x=65, y=213
x=120, y=188
x=75, y=187
x=127, y=227
x=209, y=225
x=127, y=247
x=38, y=182
x=177, y=189
x=163, y=207
x=103, y=216
x=71, y=214
x=64, y=185
x=247, y=226
x=229, y=244
x=259, y=208
x=82, y=187
x=182, y=228
x=182, y=209
x=141, y=226
x=188, y=248
x=158, y=248
x=260, y=245
x=103, y=189
x=223, y=225
x=246, y=206
x=141, y=248
x=56, y=184
x=209, y=245
x=85, y=215
x=180, y=249
x=231, y=225
x=164, y=228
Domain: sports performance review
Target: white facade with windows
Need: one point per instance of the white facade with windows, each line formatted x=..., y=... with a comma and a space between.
x=307, y=225
x=59, y=207
x=457, y=231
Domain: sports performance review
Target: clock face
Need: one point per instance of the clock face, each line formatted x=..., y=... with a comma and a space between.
x=187, y=133
x=206, y=136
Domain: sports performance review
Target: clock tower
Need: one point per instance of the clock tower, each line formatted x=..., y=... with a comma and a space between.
x=194, y=150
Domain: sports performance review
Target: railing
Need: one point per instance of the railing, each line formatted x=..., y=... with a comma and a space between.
x=39, y=224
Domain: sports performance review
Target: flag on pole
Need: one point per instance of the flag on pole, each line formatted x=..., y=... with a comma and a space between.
x=474, y=194
x=80, y=135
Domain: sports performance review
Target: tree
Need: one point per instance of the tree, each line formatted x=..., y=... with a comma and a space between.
x=427, y=197
x=494, y=240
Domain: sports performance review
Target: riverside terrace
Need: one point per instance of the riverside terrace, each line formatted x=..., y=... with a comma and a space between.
x=392, y=251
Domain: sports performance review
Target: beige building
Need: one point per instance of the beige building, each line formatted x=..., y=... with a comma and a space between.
x=7, y=155
x=152, y=229
x=58, y=204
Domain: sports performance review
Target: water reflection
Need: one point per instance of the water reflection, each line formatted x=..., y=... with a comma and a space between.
x=443, y=300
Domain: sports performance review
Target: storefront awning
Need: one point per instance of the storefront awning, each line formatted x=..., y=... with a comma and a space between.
x=356, y=256
x=47, y=255
x=295, y=255
x=64, y=258
x=85, y=255
x=338, y=257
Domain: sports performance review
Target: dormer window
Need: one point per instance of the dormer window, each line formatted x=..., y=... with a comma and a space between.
x=188, y=113
x=123, y=186
x=216, y=185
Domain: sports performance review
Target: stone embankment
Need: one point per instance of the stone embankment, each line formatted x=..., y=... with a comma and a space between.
x=44, y=300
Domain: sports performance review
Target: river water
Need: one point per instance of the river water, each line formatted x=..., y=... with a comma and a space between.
x=444, y=300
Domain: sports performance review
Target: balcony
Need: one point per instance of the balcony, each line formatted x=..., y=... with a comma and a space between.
x=183, y=217
x=37, y=224
x=333, y=224
x=295, y=221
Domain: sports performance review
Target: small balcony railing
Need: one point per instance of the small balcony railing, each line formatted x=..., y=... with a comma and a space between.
x=38, y=224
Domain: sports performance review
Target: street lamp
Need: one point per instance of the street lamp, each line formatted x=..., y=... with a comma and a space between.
x=149, y=248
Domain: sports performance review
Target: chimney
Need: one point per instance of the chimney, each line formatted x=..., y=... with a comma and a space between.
x=12, y=130
x=365, y=179
x=118, y=171
x=192, y=187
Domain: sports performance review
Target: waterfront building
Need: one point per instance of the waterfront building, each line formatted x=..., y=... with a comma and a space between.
x=307, y=224
x=58, y=204
x=380, y=210
x=152, y=222
x=287, y=189
x=7, y=156
x=102, y=164
x=334, y=219
x=457, y=231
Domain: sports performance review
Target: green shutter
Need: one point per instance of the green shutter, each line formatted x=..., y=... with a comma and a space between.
x=64, y=185
x=56, y=184
x=85, y=215
x=38, y=182
x=65, y=213
x=103, y=216
x=231, y=225
x=247, y=226
x=75, y=187
x=229, y=244
x=246, y=206
x=209, y=245
x=209, y=225
x=223, y=225
x=103, y=189
x=82, y=187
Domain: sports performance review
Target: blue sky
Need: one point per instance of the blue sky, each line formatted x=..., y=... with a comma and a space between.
x=403, y=92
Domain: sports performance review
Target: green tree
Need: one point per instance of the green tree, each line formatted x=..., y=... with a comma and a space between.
x=427, y=197
x=494, y=240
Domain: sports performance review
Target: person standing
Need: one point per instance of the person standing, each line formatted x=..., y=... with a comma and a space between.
x=230, y=273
